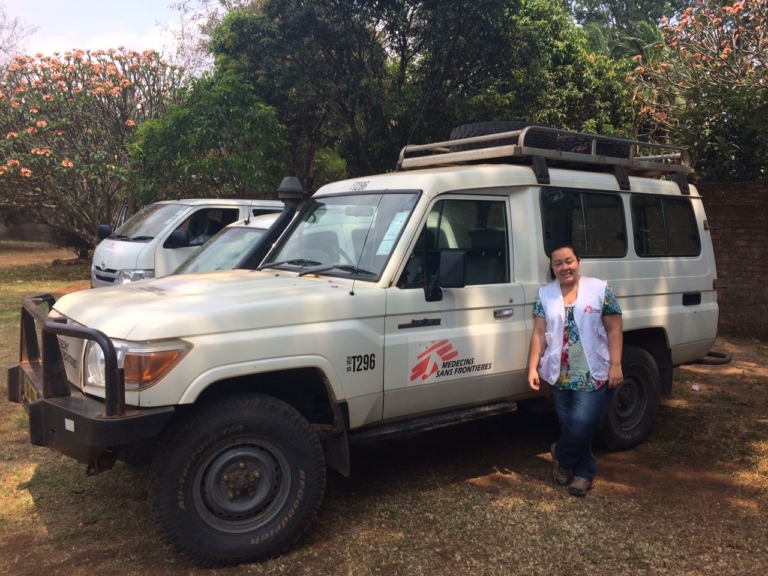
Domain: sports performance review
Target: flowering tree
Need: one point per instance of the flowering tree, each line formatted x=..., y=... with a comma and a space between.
x=66, y=122
x=706, y=87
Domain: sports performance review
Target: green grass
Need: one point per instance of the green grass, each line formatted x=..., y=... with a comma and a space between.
x=19, y=281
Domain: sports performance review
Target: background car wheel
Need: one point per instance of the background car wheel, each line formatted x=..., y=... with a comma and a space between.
x=533, y=138
x=237, y=482
x=634, y=404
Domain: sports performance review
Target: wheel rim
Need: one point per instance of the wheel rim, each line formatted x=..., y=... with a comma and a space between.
x=629, y=403
x=242, y=485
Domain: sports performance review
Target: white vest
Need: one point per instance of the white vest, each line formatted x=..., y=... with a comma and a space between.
x=588, y=314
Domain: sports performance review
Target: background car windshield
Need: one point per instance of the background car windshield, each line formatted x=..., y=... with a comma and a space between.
x=358, y=231
x=224, y=251
x=151, y=220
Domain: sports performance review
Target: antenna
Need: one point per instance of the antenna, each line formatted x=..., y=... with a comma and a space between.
x=365, y=241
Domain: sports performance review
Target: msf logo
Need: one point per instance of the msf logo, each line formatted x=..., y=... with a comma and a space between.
x=430, y=359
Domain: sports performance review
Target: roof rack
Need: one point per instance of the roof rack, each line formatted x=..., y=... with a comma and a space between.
x=626, y=157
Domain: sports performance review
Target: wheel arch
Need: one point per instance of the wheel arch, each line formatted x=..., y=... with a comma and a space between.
x=308, y=390
x=656, y=342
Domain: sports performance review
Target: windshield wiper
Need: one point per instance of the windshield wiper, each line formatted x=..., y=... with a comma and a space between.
x=143, y=238
x=294, y=262
x=120, y=237
x=355, y=270
x=345, y=267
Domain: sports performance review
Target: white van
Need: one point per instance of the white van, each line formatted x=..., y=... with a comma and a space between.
x=393, y=303
x=143, y=247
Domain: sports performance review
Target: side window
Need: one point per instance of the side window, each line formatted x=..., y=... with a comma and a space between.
x=592, y=222
x=478, y=227
x=204, y=223
x=664, y=227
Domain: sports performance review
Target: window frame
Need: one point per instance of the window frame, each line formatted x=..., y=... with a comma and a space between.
x=456, y=196
x=581, y=192
x=662, y=197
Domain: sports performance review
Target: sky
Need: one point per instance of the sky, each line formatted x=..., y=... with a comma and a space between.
x=94, y=24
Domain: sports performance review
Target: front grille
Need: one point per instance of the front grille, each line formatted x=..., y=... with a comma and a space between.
x=105, y=277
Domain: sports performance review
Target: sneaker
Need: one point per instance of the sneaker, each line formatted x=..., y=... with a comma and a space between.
x=579, y=487
x=560, y=475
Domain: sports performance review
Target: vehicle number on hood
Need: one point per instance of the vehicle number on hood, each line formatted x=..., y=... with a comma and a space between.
x=361, y=363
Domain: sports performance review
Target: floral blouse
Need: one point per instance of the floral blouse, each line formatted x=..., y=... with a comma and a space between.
x=574, y=371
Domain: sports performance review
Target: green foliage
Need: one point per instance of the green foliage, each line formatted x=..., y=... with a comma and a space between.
x=223, y=141
x=624, y=15
x=706, y=88
x=365, y=78
x=66, y=124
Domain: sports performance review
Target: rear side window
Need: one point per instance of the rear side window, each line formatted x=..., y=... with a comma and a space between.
x=664, y=227
x=591, y=222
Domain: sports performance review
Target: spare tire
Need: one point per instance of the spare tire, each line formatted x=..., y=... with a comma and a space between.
x=584, y=146
x=533, y=138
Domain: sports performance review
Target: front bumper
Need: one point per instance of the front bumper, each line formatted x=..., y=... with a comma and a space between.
x=61, y=417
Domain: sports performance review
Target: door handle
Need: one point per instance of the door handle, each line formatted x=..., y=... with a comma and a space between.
x=503, y=312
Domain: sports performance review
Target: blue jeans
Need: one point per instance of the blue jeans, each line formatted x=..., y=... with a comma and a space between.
x=580, y=414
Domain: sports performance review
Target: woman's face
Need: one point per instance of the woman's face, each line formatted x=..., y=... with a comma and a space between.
x=565, y=265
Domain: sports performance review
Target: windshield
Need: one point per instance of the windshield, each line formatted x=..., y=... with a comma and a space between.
x=224, y=251
x=150, y=221
x=349, y=235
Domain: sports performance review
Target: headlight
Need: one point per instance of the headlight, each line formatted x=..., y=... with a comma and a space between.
x=144, y=364
x=128, y=276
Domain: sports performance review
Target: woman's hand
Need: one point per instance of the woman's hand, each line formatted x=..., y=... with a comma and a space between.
x=615, y=376
x=533, y=380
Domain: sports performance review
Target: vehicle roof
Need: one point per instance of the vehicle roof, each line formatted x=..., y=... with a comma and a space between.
x=225, y=202
x=433, y=181
x=263, y=221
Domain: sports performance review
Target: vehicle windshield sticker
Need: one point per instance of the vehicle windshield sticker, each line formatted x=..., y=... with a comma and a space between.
x=392, y=232
x=437, y=360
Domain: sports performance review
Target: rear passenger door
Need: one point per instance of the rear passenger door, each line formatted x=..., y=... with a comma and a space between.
x=469, y=347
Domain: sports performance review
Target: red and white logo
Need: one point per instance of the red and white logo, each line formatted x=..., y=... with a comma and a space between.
x=430, y=360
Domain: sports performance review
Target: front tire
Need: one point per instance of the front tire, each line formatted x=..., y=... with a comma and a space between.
x=239, y=481
x=635, y=404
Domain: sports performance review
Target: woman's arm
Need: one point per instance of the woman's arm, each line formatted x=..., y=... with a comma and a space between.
x=615, y=330
x=538, y=344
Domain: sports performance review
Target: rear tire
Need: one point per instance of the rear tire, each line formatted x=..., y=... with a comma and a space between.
x=533, y=138
x=238, y=481
x=635, y=404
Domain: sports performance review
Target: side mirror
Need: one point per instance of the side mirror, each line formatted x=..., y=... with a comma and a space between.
x=103, y=231
x=179, y=239
x=452, y=273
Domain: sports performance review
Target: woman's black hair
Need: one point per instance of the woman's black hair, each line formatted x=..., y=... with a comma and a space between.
x=557, y=247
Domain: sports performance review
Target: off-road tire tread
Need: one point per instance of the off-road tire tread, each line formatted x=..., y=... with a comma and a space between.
x=252, y=405
x=532, y=139
x=635, y=356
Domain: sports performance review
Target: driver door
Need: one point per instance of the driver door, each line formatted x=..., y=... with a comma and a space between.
x=469, y=347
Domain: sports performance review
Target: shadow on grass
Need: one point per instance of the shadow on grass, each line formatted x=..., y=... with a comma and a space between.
x=439, y=476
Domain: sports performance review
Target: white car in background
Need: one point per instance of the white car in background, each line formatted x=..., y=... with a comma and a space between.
x=227, y=249
x=144, y=246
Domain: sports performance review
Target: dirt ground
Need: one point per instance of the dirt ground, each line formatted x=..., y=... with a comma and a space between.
x=472, y=499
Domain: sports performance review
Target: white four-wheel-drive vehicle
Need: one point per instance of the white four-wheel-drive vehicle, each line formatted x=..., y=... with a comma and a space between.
x=391, y=304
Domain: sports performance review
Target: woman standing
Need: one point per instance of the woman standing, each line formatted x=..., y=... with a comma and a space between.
x=576, y=348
